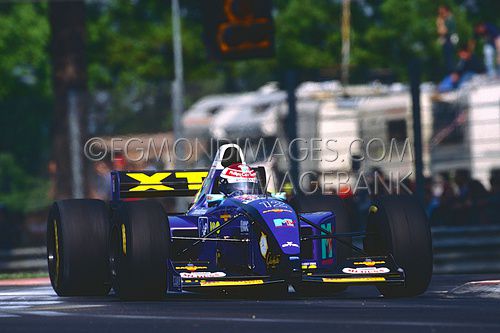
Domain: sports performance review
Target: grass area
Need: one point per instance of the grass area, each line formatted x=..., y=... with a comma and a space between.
x=22, y=275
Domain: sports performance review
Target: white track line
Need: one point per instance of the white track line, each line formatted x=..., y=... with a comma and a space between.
x=38, y=291
x=8, y=315
x=301, y=321
x=45, y=313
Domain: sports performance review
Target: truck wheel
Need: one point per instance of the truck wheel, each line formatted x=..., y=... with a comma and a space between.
x=399, y=227
x=77, y=247
x=140, y=239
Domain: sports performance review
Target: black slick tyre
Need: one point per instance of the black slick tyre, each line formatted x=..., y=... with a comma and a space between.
x=77, y=247
x=398, y=226
x=139, y=247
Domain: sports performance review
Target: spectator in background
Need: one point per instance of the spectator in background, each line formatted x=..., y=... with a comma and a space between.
x=119, y=162
x=448, y=38
x=472, y=199
x=467, y=66
x=495, y=181
x=431, y=201
x=468, y=188
x=491, y=49
x=494, y=198
x=101, y=181
x=445, y=194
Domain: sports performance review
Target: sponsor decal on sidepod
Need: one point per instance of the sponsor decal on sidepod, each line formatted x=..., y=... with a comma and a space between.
x=277, y=210
x=283, y=223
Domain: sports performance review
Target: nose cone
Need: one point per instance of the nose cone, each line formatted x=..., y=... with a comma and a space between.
x=282, y=221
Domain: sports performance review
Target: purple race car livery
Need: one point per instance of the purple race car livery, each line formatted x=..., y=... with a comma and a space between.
x=235, y=237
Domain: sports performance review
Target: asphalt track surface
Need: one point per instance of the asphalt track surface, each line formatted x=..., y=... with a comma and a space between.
x=360, y=309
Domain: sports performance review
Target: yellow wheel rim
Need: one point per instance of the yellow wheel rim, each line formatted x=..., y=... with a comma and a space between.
x=124, y=240
x=56, y=241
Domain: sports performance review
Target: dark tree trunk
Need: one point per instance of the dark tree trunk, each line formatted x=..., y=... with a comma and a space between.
x=69, y=68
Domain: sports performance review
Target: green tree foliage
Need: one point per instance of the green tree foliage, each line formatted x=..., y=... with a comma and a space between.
x=130, y=61
x=402, y=30
x=130, y=57
x=25, y=93
x=313, y=39
x=307, y=39
x=481, y=10
x=20, y=191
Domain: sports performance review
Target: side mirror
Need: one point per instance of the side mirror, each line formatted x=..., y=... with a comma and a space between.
x=214, y=199
x=279, y=195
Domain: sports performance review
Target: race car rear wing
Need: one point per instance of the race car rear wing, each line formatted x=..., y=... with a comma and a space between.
x=152, y=184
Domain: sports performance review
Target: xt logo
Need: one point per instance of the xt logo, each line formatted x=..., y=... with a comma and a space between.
x=152, y=182
x=194, y=178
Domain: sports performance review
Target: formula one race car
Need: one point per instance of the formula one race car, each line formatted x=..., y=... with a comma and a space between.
x=235, y=237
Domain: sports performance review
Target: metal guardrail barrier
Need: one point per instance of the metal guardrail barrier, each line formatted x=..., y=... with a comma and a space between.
x=28, y=259
x=465, y=249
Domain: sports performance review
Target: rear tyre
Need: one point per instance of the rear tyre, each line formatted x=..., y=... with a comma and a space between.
x=139, y=250
x=77, y=247
x=400, y=227
x=343, y=250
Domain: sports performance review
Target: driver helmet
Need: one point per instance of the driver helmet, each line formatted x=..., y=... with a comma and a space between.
x=238, y=177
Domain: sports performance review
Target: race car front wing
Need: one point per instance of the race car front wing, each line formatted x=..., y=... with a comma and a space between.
x=359, y=270
x=354, y=271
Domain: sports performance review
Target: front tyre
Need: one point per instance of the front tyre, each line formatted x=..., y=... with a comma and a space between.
x=139, y=250
x=398, y=226
x=77, y=252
